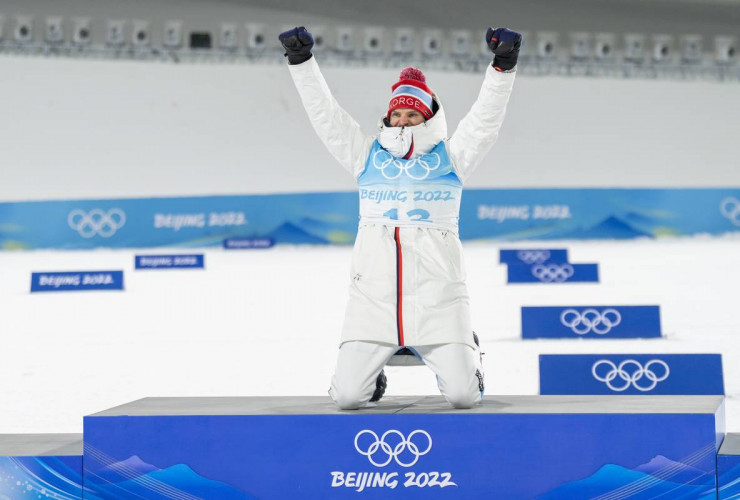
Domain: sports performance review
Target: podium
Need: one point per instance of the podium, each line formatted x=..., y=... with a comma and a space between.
x=508, y=447
x=728, y=468
x=36, y=466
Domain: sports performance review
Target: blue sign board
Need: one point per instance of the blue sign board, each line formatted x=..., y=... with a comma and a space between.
x=644, y=374
x=76, y=281
x=248, y=243
x=331, y=217
x=553, y=273
x=592, y=322
x=191, y=261
x=531, y=256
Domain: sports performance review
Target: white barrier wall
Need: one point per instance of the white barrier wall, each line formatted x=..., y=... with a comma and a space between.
x=99, y=129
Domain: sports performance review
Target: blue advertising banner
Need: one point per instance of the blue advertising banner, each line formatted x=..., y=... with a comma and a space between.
x=248, y=243
x=531, y=256
x=553, y=273
x=76, y=281
x=594, y=322
x=517, y=214
x=331, y=218
x=190, y=261
x=645, y=374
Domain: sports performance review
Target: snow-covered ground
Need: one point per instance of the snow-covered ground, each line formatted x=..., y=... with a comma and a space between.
x=267, y=322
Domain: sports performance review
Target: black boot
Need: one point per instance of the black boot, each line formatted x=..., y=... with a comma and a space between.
x=479, y=373
x=380, y=384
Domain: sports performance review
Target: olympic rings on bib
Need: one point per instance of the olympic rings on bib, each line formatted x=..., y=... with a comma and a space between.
x=590, y=320
x=380, y=453
x=416, y=168
x=552, y=273
x=627, y=379
x=96, y=222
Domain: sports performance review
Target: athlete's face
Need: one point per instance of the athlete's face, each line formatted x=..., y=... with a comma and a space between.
x=406, y=117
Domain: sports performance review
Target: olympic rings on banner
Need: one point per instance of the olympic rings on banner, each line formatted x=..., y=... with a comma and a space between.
x=533, y=256
x=633, y=379
x=590, y=320
x=552, y=273
x=730, y=208
x=96, y=222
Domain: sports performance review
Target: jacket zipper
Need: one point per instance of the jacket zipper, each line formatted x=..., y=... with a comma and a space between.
x=399, y=286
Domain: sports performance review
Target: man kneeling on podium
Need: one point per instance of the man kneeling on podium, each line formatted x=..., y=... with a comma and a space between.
x=407, y=288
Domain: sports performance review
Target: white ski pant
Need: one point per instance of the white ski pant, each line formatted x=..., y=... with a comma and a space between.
x=457, y=366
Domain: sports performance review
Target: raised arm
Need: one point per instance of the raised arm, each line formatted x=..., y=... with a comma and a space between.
x=339, y=132
x=478, y=131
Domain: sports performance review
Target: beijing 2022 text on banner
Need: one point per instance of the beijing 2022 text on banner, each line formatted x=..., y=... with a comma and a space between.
x=592, y=322
x=190, y=261
x=646, y=374
x=69, y=281
x=331, y=218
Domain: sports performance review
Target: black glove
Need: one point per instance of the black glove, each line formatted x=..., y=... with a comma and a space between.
x=505, y=45
x=297, y=44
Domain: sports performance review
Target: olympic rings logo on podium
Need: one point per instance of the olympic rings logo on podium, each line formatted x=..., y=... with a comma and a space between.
x=416, y=168
x=406, y=452
x=552, y=273
x=96, y=222
x=590, y=320
x=730, y=208
x=631, y=374
x=533, y=256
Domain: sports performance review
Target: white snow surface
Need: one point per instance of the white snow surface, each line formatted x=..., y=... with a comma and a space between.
x=267, y=323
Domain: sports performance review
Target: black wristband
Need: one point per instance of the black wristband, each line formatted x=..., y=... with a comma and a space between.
x=298, y=58
x=504, y=63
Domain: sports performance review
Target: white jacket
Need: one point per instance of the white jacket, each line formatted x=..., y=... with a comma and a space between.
x=407, y=280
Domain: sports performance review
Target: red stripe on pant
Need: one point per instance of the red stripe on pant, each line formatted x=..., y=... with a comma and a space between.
x=399, y=288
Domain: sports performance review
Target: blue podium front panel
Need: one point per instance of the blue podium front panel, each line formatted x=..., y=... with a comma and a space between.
x=728, y=468
x=40, y=466
x=516, y=447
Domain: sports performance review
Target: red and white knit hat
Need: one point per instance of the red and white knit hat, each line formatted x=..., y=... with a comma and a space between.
x=411, y=92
